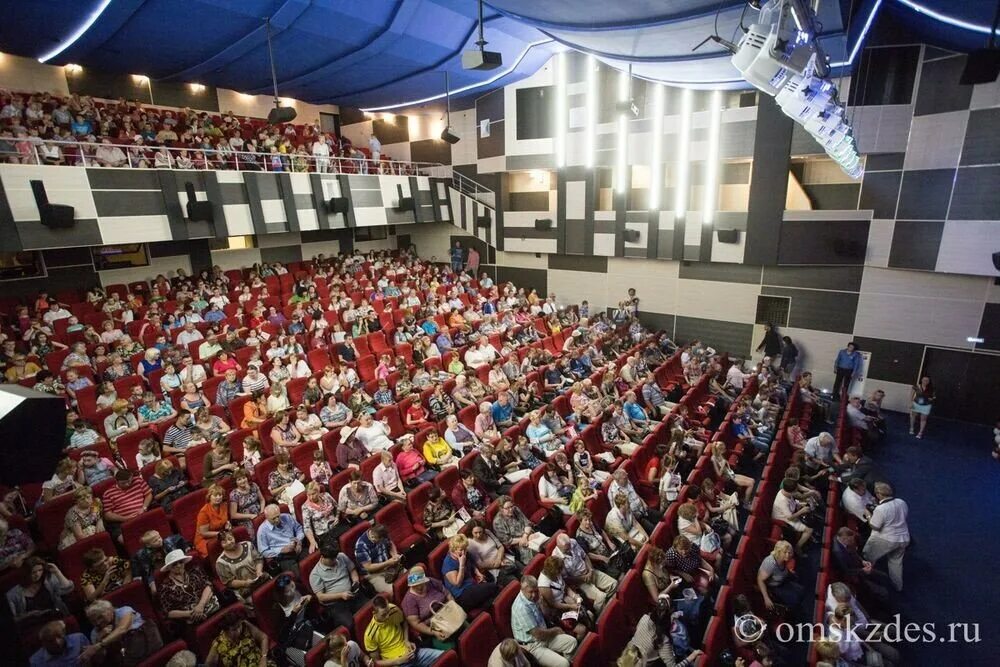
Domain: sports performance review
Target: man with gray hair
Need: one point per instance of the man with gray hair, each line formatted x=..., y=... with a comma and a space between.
x=580, y=571
x=58, y=648
x=551, y=647
x=123, y=631
x=890, y=534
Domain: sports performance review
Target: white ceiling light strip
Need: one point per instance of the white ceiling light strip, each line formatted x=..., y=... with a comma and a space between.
x=71, y=40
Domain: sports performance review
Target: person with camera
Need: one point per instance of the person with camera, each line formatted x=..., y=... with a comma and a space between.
x=788, y=510
x=378, y=559
x=775, y=581
x=337, y=585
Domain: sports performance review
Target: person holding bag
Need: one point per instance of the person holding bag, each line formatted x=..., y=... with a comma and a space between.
x=423, y=604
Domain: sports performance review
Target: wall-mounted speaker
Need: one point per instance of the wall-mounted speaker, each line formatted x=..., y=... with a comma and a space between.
x=996, y=260
x=197, y=211
x=728, y=235
x=483, y=221
x=404, y=203
x=631, y=235
x=543, y=224
x=57, y=216
x=338, y=205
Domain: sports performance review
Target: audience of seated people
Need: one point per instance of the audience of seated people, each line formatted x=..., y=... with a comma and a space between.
x=75, y=130
x=538, y=451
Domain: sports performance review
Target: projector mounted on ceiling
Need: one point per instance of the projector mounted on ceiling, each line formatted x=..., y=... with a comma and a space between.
x=278, y=114
x=480, y=58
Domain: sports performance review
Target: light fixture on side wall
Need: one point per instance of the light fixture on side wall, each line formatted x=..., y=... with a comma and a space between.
x=710, y=192
x=560, y=110
x=591, y=101
x=621, y=162
x=446, y=134
x=681, y=165
x=72, y=68
x=278, y=114
x=656, y=164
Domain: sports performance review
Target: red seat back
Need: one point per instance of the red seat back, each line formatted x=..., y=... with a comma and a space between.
x=133, y=529
x=500, y=611
x=476, y=643
x=186, y=510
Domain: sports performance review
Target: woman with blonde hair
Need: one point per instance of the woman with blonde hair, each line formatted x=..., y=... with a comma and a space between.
x=121, y=420
x=775, y=581
x=462, y=579
x=320, y=516
x=724, y=471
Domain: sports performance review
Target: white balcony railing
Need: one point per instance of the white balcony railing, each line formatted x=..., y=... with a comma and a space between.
x=131, y=156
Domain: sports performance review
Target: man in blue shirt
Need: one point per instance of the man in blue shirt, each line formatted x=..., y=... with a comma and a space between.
x=280, y=537
x=847, y=367
x=58, y=648
x=457, y=257
x=503, y=410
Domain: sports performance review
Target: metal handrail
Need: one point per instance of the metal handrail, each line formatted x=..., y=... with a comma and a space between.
x=472, y=188
x=141, y=156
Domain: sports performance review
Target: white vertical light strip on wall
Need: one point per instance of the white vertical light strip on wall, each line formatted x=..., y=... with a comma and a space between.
x=591, y=105
x=656, y=165
x=683, y=153
x=710, y=193
x=562, y=115
x=621, y=177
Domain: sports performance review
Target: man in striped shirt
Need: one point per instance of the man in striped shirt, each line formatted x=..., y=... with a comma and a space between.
x=178, y=437
x=127, y=499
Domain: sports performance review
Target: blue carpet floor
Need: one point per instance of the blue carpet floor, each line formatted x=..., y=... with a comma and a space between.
x=952, y=486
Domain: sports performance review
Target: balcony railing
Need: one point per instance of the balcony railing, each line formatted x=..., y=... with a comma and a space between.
x=131, y=156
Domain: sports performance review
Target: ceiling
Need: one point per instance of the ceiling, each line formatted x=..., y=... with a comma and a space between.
x=381, y=54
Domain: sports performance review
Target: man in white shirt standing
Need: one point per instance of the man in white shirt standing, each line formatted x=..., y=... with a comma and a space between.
x=735, y=377
x=321, y=151
x=890, y=533
x=375, y=148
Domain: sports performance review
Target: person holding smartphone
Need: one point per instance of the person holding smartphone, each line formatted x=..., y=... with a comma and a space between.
x=337, y=585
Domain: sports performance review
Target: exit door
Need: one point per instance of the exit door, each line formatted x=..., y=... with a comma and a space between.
x=964, y=384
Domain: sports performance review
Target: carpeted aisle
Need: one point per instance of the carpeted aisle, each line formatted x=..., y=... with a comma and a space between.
x=952, y=486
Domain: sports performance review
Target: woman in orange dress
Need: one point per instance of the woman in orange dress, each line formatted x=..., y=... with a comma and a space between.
x=213, y=517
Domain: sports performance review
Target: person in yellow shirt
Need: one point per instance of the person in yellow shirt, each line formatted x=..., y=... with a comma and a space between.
x=20, y=369
x=386, y=639
x=437, y=451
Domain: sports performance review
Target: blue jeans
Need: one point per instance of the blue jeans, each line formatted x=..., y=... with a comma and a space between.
x=425, y=657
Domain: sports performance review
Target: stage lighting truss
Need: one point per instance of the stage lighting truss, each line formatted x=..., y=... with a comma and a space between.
x=779, y=55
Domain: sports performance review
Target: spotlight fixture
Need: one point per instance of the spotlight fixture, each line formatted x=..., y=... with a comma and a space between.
x=779, y=55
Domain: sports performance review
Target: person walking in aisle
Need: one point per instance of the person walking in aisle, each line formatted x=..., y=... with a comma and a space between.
x=890, y=534
x=847, y=368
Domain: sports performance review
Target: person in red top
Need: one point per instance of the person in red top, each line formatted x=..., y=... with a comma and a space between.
x=651, y=475
x=470, y=494
x=223, y=362
x=127, y=499
x=416, y=414
x=411, y=464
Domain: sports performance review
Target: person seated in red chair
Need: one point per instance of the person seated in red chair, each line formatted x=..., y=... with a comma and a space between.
x=186, y=594
x=127, y=499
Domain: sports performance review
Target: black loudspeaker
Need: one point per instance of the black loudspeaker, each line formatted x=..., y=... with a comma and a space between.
x=57, y=216
x=338, y=205
x=849, y=249
x=543, y=224
x=197, y=211
x=631, y=235
x=728, y=235
x=404, y=203
x=996, y=261
x=449, y=137
x=279, y=115
x=981, y=66
x=483, y=221
x=32, y=430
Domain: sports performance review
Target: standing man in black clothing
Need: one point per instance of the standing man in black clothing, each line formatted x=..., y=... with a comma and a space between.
x=771, y=343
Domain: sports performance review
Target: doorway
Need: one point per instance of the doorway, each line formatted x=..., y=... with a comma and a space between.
x=329, y=122
x=964, y=384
